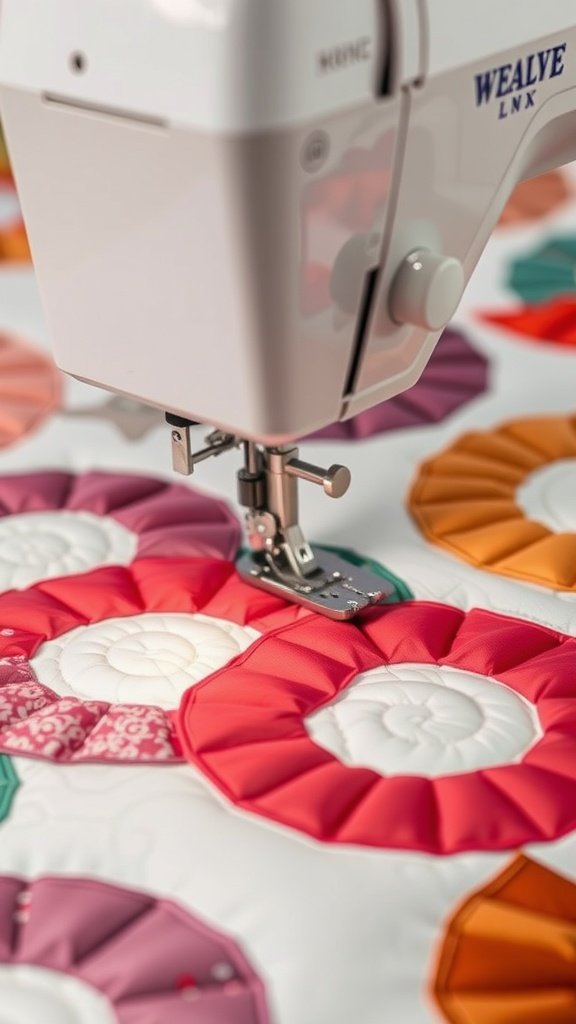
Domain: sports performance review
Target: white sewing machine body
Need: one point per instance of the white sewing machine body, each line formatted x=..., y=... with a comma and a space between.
x=180, y=164
x=260, y=214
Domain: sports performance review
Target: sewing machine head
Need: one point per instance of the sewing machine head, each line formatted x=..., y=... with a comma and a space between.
x=260, y=215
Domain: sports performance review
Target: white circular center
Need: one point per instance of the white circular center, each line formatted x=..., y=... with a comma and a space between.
x=146, y=659
x=548, y=496
x=426, y=720
x=35, y=546
x=36, y=995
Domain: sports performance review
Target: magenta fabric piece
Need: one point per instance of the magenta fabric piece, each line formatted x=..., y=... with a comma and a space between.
x=171, y=520
x=455, y=375
x=155, y=962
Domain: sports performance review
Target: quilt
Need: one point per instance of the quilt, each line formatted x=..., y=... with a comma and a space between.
x=216, y=808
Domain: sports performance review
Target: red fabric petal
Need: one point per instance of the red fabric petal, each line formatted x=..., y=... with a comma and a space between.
x=552, y=321
x=244, y=727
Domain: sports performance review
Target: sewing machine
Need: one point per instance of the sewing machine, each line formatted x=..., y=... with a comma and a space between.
x=261, y=214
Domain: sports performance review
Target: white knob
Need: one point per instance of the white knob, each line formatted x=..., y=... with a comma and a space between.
x=427, y=290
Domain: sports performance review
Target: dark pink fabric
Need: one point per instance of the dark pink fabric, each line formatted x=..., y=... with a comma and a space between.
x=155, y=962
x=455, y=375
x=170, y=520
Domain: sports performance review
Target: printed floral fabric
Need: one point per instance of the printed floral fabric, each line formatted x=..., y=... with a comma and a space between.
x=508, y=956
x=245, y=728
x=467, y=500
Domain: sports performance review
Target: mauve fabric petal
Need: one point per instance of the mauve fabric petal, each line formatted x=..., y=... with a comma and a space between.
x=455, y=374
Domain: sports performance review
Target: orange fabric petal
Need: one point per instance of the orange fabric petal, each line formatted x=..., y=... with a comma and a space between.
x=14, y=246
x=554, y=437
x=494, y=544
x=451, y=517
x=464, y=501
x=461, y=464
x=503, y=448
x=509, y=953
x=553, y=555
x=441, y=488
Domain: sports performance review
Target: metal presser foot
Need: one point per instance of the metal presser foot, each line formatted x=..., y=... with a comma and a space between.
x=280, y=559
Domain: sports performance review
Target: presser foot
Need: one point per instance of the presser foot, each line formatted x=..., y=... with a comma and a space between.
x=280, y=559
x=335, y=588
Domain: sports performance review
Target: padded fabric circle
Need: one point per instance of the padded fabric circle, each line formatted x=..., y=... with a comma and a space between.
x=30, y=389
x=55, y=524
x=245, y=728
x=467, y=500
x=78, y=951
x=508, y=956
x=114, y=649
x=148, y=659
x=426, y=720
x=455, y=375
x=37, y=545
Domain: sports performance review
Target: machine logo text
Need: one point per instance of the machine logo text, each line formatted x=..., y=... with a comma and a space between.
x=515, y=86
x=340, y=57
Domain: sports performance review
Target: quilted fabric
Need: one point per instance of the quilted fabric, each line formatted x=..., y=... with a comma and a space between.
x=58, y=524
x=75, y=951
x=426, y=720
x=330, y=856
x=248, y=729
x=90, y=667
x=546, y=273
x=552, y=322
x=508, y=955
x=467, y=500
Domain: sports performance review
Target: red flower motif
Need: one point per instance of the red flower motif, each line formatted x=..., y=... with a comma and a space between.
x=183, y=617
x=245, y=728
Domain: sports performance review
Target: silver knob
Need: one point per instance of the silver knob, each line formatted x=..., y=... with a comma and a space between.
x=427, y=290
x=335, y=480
